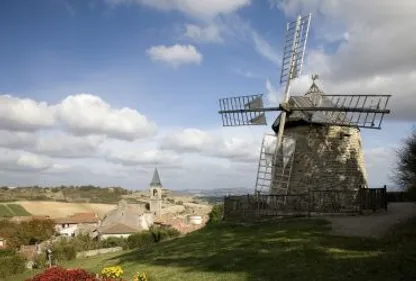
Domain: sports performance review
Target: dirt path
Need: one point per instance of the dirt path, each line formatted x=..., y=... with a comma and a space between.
x=373, y=225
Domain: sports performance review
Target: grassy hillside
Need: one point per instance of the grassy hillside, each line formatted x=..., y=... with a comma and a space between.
x=294, y=250
x=11, y=210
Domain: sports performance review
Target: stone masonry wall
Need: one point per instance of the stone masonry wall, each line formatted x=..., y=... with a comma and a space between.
x=326, y=157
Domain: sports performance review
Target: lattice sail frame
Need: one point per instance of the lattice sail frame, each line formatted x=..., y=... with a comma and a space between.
x=363, y=111
x=294, y=48
x=242, y=111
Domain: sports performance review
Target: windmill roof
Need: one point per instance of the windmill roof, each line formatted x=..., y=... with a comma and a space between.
x=156, y=179
x=313, y=97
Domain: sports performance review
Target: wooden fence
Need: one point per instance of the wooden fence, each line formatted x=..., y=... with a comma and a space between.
x=305, y=204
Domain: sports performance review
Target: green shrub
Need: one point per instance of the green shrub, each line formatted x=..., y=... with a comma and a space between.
x=10, y=265
x=216, y=214
x=113, y=242
x=163, y=233
x=64, y=250
x=140, y=240
x=7, y=252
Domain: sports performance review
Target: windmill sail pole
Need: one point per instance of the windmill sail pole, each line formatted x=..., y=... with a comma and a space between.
x=287, y=89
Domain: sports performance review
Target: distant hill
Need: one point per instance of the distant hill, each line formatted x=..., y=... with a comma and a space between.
x=217, y=192
x=78, y=194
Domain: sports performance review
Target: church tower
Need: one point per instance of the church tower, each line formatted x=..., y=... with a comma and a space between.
x=156, y=194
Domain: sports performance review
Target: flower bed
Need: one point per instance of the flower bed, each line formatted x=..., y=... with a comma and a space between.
x=112, y=273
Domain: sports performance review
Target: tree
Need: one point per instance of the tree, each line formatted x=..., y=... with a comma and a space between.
x=216, y=214
x=405, y=170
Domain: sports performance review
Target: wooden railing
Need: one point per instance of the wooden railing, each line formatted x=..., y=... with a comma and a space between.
x=312, y=202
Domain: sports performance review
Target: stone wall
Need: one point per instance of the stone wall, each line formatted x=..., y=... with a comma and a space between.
x=92, y=253
x=326, y=157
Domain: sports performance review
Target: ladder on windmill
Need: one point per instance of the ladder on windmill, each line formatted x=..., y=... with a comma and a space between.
x=275, y=166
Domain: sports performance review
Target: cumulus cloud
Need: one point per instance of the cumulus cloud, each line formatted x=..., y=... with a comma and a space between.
x=24, y=114
x=175, y=55
x=211, y=144
x=82, y=114
x=55, y=144
x=85, y=114
x=143, y=157
x=198, y=9
x=11, y=160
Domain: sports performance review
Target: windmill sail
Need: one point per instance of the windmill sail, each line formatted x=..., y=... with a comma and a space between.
x=242, y=111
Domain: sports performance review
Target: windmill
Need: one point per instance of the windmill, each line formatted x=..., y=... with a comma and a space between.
x=316, y=141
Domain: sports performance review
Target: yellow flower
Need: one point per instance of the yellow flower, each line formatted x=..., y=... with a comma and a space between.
x=112, y=272
x=140, y=277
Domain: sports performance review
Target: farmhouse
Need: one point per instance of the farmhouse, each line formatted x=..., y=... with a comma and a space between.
x=124, y=220
x=72, y=225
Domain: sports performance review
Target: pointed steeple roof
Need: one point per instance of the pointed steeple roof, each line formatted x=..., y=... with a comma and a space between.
x=156, y=179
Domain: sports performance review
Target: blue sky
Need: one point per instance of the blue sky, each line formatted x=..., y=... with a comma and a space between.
x=120, y=53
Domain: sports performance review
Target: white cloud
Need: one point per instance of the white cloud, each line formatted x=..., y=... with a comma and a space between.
x=81, y=114
x=273, y=96
x=22, y=161
x=264, y=49
x=175, y=55
x=214, y=144
x=209, y=33
x=142, y=156
x=198, y=9
x=24, y=114
x=247, y=73
x=55, y=144
x=85, y=114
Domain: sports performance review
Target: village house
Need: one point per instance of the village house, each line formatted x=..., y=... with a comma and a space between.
x=124, y=221
x=78, y=222
x=2, y=243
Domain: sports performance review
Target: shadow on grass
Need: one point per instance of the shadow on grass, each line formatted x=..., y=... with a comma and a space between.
x=293, y=250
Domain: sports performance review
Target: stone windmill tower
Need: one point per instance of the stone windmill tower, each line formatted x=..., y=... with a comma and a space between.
x=316, y=141
x=156, y=194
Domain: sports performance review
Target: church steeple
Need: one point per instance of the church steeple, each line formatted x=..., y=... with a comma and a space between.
x=156, y=179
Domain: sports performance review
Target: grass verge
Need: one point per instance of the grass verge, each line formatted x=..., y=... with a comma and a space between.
x=295, y=250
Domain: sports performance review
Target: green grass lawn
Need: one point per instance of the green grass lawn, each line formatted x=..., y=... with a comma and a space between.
x=298, y=250
x=11, y=210
x=18, y=210
x=5, y=212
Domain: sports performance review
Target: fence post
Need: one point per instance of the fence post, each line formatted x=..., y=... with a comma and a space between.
x=385, y=197
x=223, y=208
x=309, y=202
x=360, y=211
x=258, y=204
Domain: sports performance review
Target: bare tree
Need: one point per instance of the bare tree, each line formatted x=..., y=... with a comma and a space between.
x=405, y=170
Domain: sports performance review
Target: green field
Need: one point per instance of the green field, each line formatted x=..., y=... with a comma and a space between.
x=11, y=210
x=298, y=251
x=5, y=211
